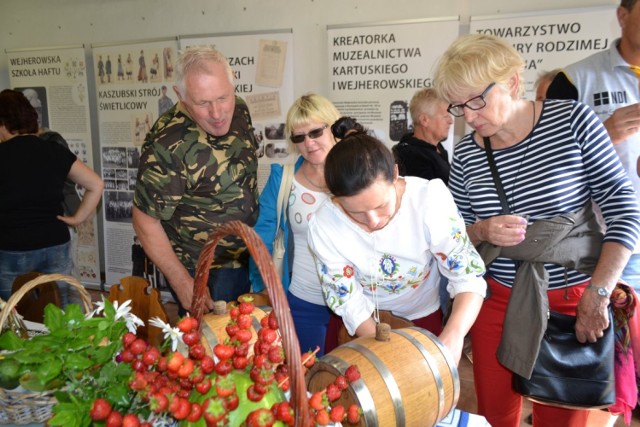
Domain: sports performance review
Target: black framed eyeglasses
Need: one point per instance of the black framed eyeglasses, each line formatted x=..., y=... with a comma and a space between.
x=475, y=103
x=312, y=134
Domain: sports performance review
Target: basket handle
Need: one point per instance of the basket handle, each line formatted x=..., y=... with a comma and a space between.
x=44, y=278
x=263, y=260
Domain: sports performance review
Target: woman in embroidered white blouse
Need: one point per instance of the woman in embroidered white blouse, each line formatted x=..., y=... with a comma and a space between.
x=382, y=241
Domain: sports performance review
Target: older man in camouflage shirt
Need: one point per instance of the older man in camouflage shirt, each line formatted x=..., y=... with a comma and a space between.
x=198, y=169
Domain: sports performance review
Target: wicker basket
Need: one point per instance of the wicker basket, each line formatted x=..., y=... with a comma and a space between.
x=278, y=299
x=20, y=406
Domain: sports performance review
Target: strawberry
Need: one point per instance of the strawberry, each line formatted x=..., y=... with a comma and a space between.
x=131, y=420
x=333, y=392
x=196, y=413
x=337, y=414
x=137, y=381
x=186, y=368
x=276, y=355
x=273, y=321
x=341, y=382
x=138, y=346
x=283, y=412
x=126, y=355
x=151, y=356
x=253, y=394
x=197, y=351
x=225, y=386
x=204, y=386
x=243, y=335
x=174, y=361
x=100, y=410
x=264, y=322
x=214, y=410
x=223, y=351
x=317, y=401
x=187, y=324
x=138, y=365
x=261, y=417
x=159, y=402
x=191, y=338
x=246, y=306
x=353, y=414
x=162, y=364
x=308, y=359
x=207, y=365
x=234, y=312
x=322, y=417
x=232, y=328
x=127, y=339
x=352, y=373
x=114, y=419
x=223, y=367
x=242, y=349
x=244, y=321
x=183, y=409
x=232, y=402
x=268, y=335
x=240, y=362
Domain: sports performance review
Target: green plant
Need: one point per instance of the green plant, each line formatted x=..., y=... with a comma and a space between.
x=75, y=358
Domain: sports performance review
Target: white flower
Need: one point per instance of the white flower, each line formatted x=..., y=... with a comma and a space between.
x=99, y=308
x=122, y=312
x=174, y=333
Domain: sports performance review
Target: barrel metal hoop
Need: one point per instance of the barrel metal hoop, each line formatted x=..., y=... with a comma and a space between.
x=453, y=367
x=210, y=336
x=388, y=379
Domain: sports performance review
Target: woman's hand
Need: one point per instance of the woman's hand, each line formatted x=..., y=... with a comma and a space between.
x=592, y=316
x=500, y=230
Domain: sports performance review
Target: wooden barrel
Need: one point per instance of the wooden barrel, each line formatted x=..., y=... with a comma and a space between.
x=410, y=380
x=214, y=328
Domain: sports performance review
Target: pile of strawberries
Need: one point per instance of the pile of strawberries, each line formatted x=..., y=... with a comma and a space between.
x=243, y=385
x=320, y=402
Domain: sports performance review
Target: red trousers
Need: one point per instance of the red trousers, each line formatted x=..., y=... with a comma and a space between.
x=497, y=401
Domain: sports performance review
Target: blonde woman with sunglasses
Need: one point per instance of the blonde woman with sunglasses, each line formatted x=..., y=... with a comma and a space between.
x=308, y=129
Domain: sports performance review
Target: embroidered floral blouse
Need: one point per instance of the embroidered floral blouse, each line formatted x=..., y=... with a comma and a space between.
x=398, y=267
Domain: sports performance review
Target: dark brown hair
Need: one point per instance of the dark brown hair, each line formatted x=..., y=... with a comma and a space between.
x=354, y=163
x=16, y=113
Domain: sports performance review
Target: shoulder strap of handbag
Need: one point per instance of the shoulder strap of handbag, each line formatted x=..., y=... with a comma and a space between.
x=496, y=176
x=283, y=192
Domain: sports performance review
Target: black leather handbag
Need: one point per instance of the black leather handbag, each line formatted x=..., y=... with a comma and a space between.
x=568, y=373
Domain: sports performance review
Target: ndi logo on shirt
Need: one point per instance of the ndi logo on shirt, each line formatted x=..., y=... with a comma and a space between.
x=606, y=98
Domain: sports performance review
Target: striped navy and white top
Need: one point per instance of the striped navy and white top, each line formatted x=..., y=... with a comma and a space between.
x=566, y=160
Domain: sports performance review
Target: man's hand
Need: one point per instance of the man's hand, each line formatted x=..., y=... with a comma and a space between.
x=623, y=123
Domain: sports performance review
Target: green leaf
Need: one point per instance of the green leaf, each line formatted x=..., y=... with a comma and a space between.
x=48, y=371
x=66, y=414
x=10, y=341
x=119, y=394
x=53, y=318
x=77, y=362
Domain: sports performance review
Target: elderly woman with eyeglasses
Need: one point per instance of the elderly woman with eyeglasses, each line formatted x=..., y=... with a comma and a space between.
x=552, y=158
x=307, y=126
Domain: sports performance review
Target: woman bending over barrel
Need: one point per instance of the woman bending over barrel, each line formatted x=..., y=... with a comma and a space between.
x=381, y=242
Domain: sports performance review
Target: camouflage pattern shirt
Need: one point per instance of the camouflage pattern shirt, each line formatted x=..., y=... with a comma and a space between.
x=194, y=182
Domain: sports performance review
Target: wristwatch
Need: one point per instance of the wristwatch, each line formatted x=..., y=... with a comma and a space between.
x=600, y=290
